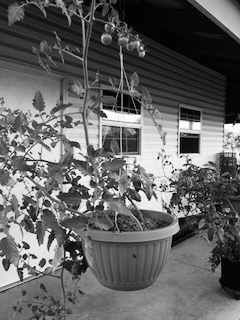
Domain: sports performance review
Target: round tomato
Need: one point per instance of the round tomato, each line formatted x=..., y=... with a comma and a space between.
x=106, y=38
x=130, y=46
x=136, y=44
x=123, y=41
x=141, y=53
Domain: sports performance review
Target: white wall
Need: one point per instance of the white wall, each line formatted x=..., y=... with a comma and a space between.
x=18, y=89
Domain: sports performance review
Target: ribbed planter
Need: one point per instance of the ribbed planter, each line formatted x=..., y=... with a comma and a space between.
x=130, y=260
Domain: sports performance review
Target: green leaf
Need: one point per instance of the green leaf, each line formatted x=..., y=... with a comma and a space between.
x=14, y=203
x=108, y=100
x=77, y=88
x=42, y=263
x=134, y=195
x=51, y=237
x=49, y=221
x=15, y=13
x=19, y=121
x=75, y=144
x=4, y=177
x=90, y=151
x=118, y=206
x=123, y=182
x=57, y=257
x=60, y=107
x=114, y=165
x=40, y=232
x=105, y=9
x=26, y=246
x=3, y=147
x=19, y=163
x=6, y=264
x=83, y=166
x=73, y=198
x=9, y=249
x=146, y=97
x=28, y=224
x=114, y=146
x=103, y=223
x=38, y=101
x=134, y=79
x=75, y=223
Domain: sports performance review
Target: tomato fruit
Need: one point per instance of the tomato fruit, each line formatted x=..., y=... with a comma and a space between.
x=106, y=38
x=109, y=27
x=141, y=53
x=130, y=46
x=122, y=41
x=136, y=44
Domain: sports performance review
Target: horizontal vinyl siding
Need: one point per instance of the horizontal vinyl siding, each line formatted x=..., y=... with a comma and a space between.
x=171, y=78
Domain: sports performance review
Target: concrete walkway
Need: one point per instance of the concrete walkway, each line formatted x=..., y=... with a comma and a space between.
x=186, y=290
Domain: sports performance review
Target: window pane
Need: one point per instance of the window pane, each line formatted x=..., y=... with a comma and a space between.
x=130, y=138
x=190, y=119
x=189, y=143
x=126, y=109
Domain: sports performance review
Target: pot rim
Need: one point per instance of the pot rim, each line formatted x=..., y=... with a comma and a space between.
x=137, y=236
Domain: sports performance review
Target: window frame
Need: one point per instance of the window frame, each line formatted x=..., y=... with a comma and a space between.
x=191, y=131
x=123, y=124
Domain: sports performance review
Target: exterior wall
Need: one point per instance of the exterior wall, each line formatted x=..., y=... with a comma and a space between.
x=171, y=78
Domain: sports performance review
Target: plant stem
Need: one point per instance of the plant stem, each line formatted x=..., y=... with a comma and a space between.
x=85, y=45
x=63, y=287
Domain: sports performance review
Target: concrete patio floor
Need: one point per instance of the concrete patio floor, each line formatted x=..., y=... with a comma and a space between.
x=186, y=290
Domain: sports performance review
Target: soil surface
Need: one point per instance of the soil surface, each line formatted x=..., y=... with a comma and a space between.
x=127, y=224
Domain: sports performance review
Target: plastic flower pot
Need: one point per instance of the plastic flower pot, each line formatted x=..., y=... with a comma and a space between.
x=130, y=260
x=230, y=280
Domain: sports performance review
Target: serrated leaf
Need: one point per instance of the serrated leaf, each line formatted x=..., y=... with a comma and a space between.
x=123, y=182
x=38, y=101
x=58, y=255
x=3, y=147
x=42, y=263
x=105, y=9
x=201, y=224
x=19, y=163
x=118, y=206
x=83, y=166
x=77, y=88
x=60, y=107
x=114, y=146
x=49, y=221
x=73, y=198
x=19, y=121
x=103, y=223
x=134, y=79
x=28, y=224
x=6, y=264
x=134, y=195
x=108, y=100
x=146, y=97
x=14, y=203
x=51, y=237
x=15, y=13
x=114, y=164
x=8, y=248
x=75, y=223
x=4, y=177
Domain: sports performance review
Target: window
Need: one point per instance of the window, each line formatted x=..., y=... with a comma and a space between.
x=123, y=123
x=189, y=130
